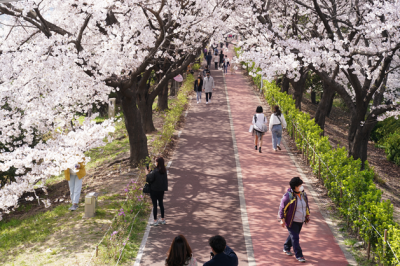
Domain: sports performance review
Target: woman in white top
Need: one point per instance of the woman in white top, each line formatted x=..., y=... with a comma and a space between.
x=276, y=123
x=259, y=126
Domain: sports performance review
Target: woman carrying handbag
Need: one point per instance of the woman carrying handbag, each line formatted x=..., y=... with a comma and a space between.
x=259, y=127
x=158, y=181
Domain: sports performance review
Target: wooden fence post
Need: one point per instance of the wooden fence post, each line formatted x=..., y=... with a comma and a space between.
x=97, y=251
x=384, y=245
x=369, y=249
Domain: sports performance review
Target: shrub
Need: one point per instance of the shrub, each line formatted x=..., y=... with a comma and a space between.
x=392, y=144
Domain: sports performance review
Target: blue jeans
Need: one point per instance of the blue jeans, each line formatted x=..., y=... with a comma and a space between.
x=75, y=187
x=198, y=93
x=276, y=135
x=293, y=239
x=225, y=69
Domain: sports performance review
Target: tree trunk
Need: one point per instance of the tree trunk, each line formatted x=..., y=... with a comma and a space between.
x=324, y=106
x=163, y=99
x=137, y=137
x=172, y=91
x=145, y=102
x=285, y=85
x=313, y=97
x=359, y=134
x=298, y=88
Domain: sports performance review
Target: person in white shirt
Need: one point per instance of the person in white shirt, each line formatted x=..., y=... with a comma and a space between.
x=259, y=127
x=276, y=123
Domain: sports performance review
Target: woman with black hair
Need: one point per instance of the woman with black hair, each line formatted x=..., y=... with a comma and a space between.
x=158, y=181
x=276, y=123
x=180, y=253
x=259, y=126
x=198, y=87
x=294, y=211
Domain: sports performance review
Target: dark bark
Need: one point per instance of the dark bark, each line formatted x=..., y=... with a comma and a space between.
x=324, y=106
x=313, y=97
x=133, y=124
x=163, y=99
x=285, y=85
x=172, y=91
x=299, y=87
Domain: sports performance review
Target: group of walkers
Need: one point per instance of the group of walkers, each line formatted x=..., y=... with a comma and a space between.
x=259, y=127
x=220, y=60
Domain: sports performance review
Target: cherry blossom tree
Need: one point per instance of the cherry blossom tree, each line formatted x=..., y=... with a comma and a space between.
x=59, y=58
x=352, y=46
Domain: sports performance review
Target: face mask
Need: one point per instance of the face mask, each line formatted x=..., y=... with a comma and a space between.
x=301, y=188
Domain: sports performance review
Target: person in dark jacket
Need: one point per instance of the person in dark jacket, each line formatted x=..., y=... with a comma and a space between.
x=158, y=181
x=222, y=255
x=221, y=58
x=208, y=59
x=198, y=87
x=293, y=213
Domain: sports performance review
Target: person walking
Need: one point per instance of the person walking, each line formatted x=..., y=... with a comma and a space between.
x=259, y=127
x=75, y=177
x=198, y=87
x=276, y=122
x=216, y=60
x=208, y=59
x=221, y=253
x=216, y=51
x=158, y=181
x=294, y=211
x=226, y=64
x=208, y=86
x=205, y=71
x=205, y=51
x=180, y=253
x=221, y=58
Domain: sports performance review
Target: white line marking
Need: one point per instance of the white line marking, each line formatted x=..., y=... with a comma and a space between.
x=245, y=221
x=179, y=134
x=144, y=240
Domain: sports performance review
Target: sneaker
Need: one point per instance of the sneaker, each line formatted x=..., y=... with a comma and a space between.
x=200, y=101
x=301, y=259
x=73, y=208
x=255, y=147
x=274, y=150
x=206, y=102
x=279, y=147
x=197, y=101
x=287, y=252
x=209, y=101
x=259, y=150
x=162, y=222
x=156, y=223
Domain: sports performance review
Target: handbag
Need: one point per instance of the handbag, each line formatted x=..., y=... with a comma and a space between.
x=251, y=128
x=146, y=188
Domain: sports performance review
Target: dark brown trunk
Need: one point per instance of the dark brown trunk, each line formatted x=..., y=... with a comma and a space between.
x=163, y=99
x=145, y=103
x=313, y=97
x=137, y=136
x=298, y=88
x=324, y=106
x=172, y=91
x=285, y=85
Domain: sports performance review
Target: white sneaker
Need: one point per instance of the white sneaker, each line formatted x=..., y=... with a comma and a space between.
x=197, y=101
x=200, y=101
x=206, y=102
x=274, y=150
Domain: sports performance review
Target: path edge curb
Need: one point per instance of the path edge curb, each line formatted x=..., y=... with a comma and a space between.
x=245, y=221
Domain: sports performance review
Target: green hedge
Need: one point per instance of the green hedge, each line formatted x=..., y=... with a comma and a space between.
x=353, y=190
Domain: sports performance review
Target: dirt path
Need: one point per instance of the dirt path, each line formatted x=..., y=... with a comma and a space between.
x=202, y=200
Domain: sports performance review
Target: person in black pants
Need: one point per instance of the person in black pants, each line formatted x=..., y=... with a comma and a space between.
x=221, y=58
x=158, y=181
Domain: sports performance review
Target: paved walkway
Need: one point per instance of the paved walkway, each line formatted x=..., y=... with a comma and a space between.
x=203, y=197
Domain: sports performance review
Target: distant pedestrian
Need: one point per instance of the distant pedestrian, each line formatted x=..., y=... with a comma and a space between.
x=216, y=61
x=205, y=70
x=276, y=123
x=205, y=51
x=221, y=44
x=226, y=64
x=259, y=127
x=158, y=181
x=75, y=176
x=180, y=253
x=294, y=211
x=227, y=44
x=208, y=59
x=216, y=51
x=221, y=253
x=221, y=58
x=208, y=86
x=198, y=87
